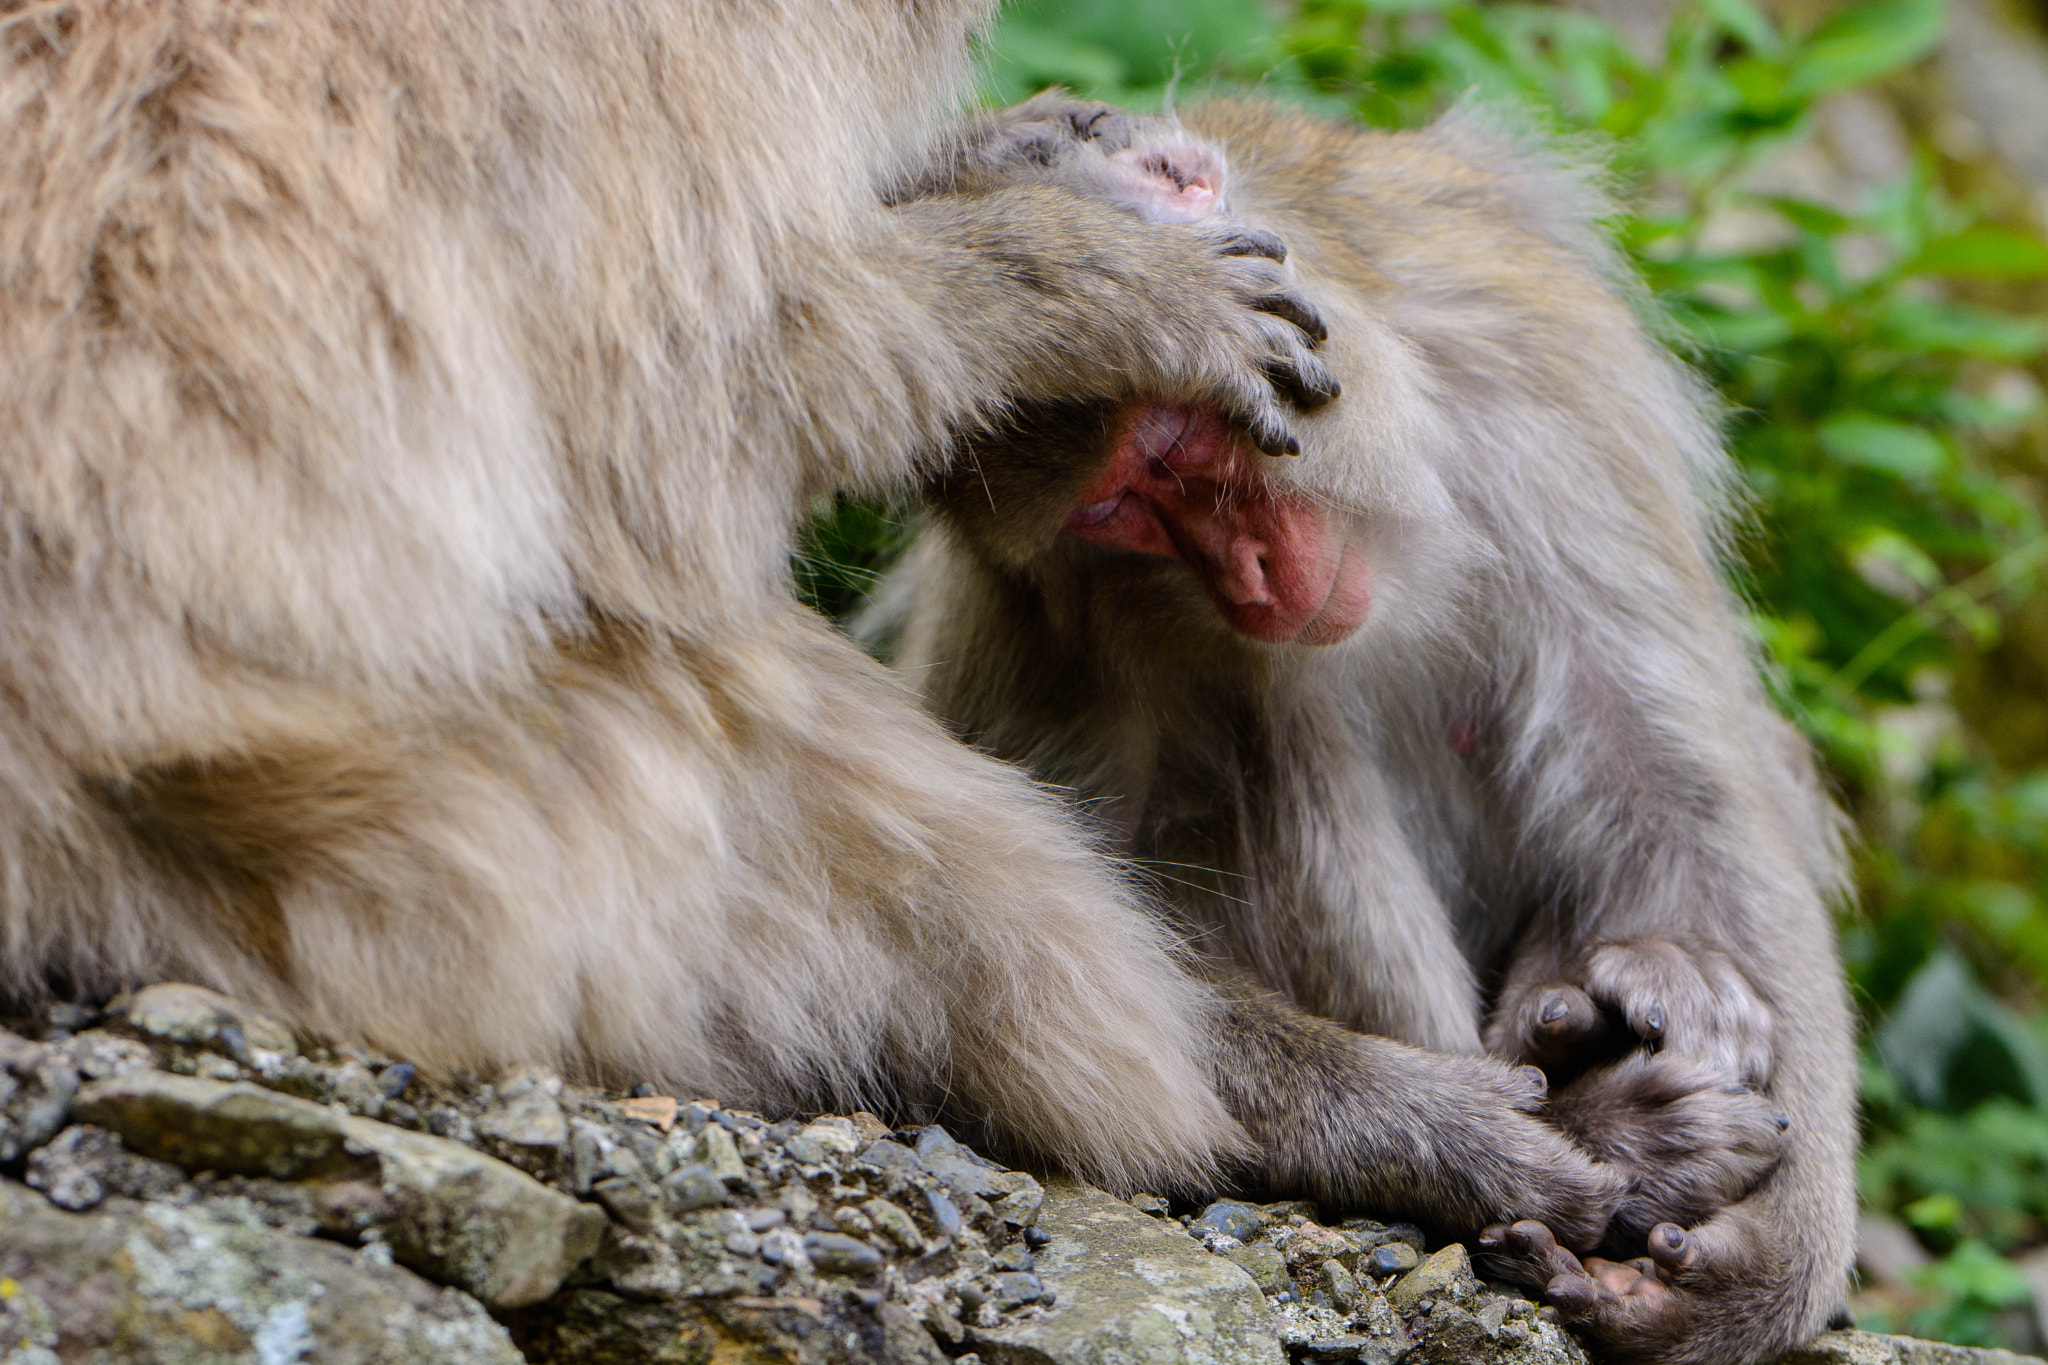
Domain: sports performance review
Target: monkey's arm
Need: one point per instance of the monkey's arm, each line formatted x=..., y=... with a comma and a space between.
x=1363, y=1122
x=951, y=311
x=1669, y=844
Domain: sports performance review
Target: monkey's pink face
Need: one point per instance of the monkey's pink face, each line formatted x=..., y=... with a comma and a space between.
x=1181, y=483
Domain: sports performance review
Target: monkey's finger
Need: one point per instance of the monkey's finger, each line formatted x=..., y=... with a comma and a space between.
x=1567, y=1016
x=1577, y=1296
x=1297, y=310
x=1266, y=428
x=1560, y=1024
x=1253, y=242
x=1306, y=386
x=1671, y=1250
x=1528, y=1253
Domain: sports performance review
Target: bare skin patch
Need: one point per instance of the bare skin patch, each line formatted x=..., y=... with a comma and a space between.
x=1181, y=483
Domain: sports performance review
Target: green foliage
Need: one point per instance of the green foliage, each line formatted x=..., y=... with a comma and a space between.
x=1866, y=382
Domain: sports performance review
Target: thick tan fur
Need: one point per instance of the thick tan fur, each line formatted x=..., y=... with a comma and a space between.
x=404, y=407
x=1537, y=803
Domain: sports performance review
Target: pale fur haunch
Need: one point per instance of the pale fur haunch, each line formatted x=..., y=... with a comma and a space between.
x=404, y=410
x=1448, y=731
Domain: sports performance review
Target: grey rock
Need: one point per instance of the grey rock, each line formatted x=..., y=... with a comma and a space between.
x=1016, y=1287
x=889, y=1155
x=1392, y=1258
x=717, y=1150
x=894, y=1224
x=689, y=1188
x=1868, y=1348
x=1369, y=1233
x=1339, y=1283
x=1229, y=1218
x=357, y=1089
x=628, y=1200
x=1015, y=1196
x=1264, y=1263
x=588, y=1327
x=235, y=1128
x=447, y=1210
x=194, y=1016
x=1131, y=1290
x=160, y=1284
x=85, y=1165
x=835, y=1253
x=527, y=1115
x=37, y=1082
x=1445, y=1275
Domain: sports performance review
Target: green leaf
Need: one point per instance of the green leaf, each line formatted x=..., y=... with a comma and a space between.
x=1919, y=325
x=1985, y=252
x=1935, y=1212
x=1023, y=59
x=1809, y=217
x=1746, y=22
x=1864, y=42
x=1879, y=443
x=1746, y=333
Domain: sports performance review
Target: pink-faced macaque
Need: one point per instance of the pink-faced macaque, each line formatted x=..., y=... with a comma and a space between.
x=1446, y=735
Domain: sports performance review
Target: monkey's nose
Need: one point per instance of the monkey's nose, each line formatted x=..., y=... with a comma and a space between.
x=1243, y=578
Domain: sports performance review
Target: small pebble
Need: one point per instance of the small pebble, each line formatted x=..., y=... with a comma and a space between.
x=628, y=1201
x=691, y=1188
x=658, y=1111
x=945, y=1214
x=837, y=1254
x=1036, y=1237
x=1339, y=1283
x=1015, y=1256
x=1229, y=1218
x=396, y=1078
x=762, y=1220
x=1016, y=1288
x=1392, y=1258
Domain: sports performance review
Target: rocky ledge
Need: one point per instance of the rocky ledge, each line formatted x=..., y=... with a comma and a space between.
x=181, y=1182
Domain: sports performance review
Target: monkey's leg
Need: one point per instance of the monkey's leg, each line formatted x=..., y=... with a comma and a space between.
x=744, y=866
x=987, y=960
x=1737, y=1288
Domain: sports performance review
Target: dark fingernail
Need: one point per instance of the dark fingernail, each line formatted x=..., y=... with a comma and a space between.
x=1783, y=1121
x=1653, y=1019
x=1674, y=1237
x=1554, y=1010
x=1293, y=446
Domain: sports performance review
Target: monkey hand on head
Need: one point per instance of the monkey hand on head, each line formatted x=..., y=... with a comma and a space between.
x=1452, y=720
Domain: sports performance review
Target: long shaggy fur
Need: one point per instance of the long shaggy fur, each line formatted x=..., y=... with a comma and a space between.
x=404, y=406
x=1543, y=761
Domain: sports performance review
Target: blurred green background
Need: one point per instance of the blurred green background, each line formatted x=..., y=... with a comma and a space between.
x=1856, y=267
